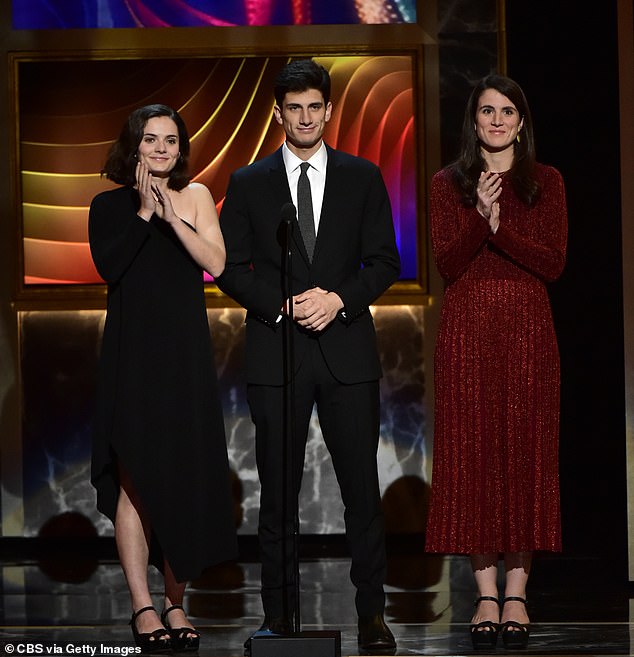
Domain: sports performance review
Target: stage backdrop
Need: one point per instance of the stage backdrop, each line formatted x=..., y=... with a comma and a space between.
x=227, y=105
x=36, y=14
x=66, y=117
x=70, y=112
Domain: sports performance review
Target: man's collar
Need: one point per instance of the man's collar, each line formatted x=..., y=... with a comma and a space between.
x=318, y=160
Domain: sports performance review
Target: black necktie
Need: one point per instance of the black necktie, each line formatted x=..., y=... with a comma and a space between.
x=305, y=211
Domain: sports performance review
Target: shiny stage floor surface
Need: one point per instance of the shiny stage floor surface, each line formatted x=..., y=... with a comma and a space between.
x=65, y=604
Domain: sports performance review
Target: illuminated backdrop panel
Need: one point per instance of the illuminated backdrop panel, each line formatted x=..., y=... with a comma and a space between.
x=60, y=14
x=71, y=111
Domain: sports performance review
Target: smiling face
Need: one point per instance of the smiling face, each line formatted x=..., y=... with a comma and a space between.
x=497, y=121
x=159, y=147
x=303, y=116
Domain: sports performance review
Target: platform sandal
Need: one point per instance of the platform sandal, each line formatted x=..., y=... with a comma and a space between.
x=514, y=634
x=484, y=635
x=182, y=639
x=150, y=642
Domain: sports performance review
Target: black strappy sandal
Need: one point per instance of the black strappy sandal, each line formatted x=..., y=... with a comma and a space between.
x=150, y=642
x=514, y=634
x=182, y=639
x=485, y=633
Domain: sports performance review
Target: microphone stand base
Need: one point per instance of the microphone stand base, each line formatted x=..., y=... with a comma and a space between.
x=297, y=644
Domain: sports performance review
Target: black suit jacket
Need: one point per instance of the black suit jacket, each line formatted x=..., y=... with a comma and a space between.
x=355, y=256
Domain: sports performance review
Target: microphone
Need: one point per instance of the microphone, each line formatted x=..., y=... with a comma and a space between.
x=288, y=213
x=285, y=228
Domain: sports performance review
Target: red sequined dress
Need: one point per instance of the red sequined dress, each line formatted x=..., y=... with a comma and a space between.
x=495, y=482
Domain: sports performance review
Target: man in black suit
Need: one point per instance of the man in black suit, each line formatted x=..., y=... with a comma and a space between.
x=336, y=276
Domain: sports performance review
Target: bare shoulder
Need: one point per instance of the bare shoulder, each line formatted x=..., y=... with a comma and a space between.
x=198, y=190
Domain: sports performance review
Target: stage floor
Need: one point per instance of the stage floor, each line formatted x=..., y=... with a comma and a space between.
x=69, y=605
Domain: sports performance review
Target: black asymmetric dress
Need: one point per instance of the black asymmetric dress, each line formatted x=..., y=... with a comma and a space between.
x=158, y=410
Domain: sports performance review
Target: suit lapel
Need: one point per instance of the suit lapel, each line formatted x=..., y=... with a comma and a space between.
x=332, y=192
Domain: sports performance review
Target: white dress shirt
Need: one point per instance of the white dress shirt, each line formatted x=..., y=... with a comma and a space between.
x=316, y=175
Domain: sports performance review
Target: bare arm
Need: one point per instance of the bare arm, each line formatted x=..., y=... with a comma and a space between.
x=205, y=243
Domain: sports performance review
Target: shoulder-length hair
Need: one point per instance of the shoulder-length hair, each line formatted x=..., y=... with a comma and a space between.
x=470, y=162
x=121, y=162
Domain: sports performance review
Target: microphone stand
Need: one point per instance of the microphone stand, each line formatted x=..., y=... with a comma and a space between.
x=290, y=456
x=311, y=644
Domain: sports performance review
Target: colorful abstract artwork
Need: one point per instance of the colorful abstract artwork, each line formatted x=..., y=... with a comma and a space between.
x=70, y=112
x=63, y=14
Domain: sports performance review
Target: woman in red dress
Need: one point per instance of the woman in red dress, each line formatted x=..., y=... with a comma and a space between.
x=499, y=230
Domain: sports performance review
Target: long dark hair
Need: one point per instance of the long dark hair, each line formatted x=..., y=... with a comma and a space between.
x=121, y=162
x=470, y=162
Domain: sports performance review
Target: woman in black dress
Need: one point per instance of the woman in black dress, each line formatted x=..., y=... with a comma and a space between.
x=159, y=461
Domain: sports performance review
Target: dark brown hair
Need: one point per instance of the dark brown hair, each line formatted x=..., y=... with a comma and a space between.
x=470, y=163
x=121, y=162
x=301, y=75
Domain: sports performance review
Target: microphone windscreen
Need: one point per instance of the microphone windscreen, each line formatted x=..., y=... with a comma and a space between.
x=288, y=212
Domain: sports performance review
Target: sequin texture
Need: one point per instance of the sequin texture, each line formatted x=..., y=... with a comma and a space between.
x=495, y=482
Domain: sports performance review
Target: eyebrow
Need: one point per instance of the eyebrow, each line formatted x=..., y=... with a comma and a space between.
x=152, y=134
x=505, y=107
x=311, y=104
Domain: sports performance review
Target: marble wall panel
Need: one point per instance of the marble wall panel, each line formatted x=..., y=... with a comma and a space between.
x=59, y=352
x=468, y=41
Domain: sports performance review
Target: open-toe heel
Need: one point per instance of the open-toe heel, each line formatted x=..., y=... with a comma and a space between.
x=184, y=639
x=150, y=642
x=484, y=635
x=514, y=634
